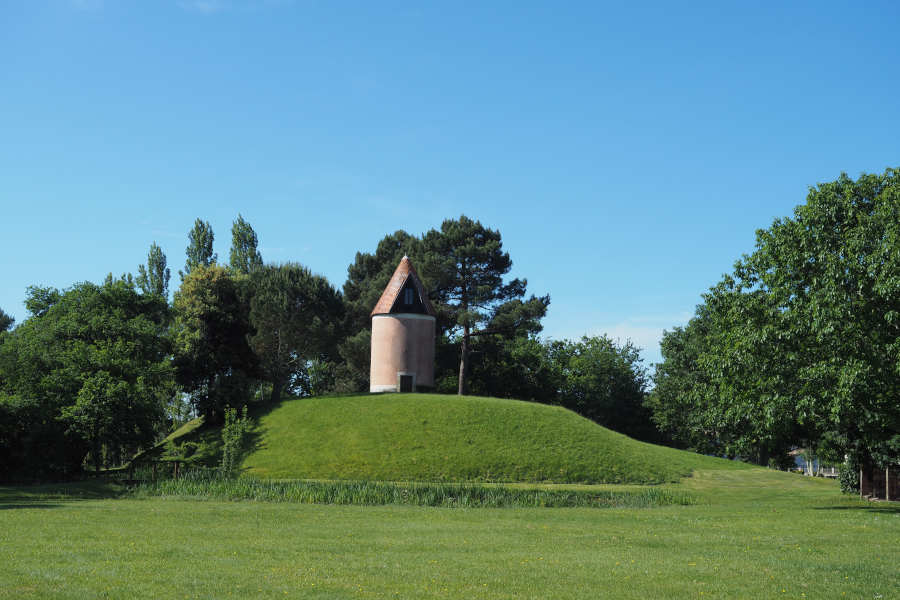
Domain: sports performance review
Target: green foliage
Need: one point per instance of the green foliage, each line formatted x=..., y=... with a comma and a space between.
x=594, y=377
x=199, y=250
x=425, y=437
x=213, y=360
x=295, y=317
x=209, y=485
x=88, y=372
x=605, y=382
x=234, y=431
x=521, y=367
x=465, y=264
x=678, y=400
x=40, y=299
x=848, y=475
x=154, y=278
x=800, y=346
x=6, y=321
x=244, y=256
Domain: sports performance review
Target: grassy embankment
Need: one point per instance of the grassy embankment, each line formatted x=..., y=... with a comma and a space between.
x=424, y=437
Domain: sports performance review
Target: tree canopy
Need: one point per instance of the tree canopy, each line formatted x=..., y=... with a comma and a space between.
x=88, y=372
x=6, y=321
x=800, y=345
x=465, y=263
x=199, y=251
x=295, y=317
x=244, y=256
x=212, y=357
x=154, y=278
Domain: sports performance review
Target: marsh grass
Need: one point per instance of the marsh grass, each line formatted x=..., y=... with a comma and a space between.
x=208, y=485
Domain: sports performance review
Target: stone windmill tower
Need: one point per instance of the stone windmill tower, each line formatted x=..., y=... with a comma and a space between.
x=403, y=324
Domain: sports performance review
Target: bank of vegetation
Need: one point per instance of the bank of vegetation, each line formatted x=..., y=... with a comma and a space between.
x=798, y=347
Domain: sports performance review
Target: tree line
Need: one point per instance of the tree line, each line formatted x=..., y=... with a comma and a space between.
x=99, y=371
x=800, y=345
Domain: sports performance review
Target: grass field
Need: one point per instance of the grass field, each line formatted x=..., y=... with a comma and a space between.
x=422, y=437
x=754, y=534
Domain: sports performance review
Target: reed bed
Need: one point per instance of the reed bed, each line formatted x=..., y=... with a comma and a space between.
x=200, y=485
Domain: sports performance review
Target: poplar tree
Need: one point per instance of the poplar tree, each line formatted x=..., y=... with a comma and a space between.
x=244, y=256
x=154, y=278
x=200, y=247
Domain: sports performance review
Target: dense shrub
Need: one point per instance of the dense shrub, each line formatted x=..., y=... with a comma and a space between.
x=848, y=475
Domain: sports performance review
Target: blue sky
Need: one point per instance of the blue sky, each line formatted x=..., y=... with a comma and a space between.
x=627, y=153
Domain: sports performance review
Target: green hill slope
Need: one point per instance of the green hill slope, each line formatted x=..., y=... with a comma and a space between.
x=422, y=437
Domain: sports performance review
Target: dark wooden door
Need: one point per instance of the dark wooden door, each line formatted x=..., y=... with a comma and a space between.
x=406, y=383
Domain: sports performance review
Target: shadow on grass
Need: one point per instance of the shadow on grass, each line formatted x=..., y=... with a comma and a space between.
x=35, y=504
x=49, y=495
x=890, y=508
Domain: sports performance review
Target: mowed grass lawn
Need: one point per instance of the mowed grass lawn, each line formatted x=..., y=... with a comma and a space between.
x=755, y=534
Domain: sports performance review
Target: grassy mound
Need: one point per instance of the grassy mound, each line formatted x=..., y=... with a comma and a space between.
x=426, y=437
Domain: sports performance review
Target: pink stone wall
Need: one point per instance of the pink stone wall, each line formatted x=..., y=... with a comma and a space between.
x=401, y=343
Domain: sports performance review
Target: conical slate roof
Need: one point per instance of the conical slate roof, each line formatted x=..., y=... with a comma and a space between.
x=403, y=273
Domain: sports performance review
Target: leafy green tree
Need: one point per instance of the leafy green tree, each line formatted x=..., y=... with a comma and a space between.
x=606, y=382
x=199, y=250
x=519, y=367
x=154, y=278
x=213, y=360
x=465, y=264
x=89, y=372
x=6, y=321
x=801, y=344
x=680, y=400
x=296, y=318
x=244, y=257
x=234, y=432
x=40, y=299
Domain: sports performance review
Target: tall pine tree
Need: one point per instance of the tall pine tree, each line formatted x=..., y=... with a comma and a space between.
x=466, y=263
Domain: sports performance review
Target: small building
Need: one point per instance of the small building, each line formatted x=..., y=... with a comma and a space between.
x=880, y=484
x=403, y=326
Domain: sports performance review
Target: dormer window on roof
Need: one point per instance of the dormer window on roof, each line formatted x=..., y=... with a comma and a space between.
x=404, y=293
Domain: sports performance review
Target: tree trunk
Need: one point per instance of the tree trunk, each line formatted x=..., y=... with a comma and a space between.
x=97, y=450
x=463, y=361
x=276, y=392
